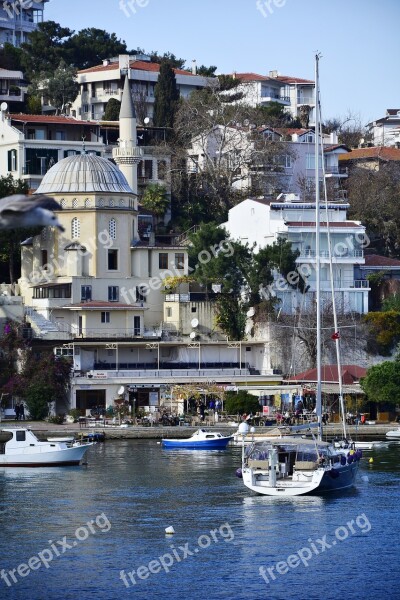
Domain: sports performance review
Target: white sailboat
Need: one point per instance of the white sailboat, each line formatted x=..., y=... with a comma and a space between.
x=293, y=466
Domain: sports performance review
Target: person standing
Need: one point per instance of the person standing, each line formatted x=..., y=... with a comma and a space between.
x=22, y=411
x=16, y=410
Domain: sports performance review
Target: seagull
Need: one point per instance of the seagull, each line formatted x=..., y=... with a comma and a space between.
x=28, y=211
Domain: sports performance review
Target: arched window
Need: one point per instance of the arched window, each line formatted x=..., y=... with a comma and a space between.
x=75, y=228
x=63, y=203
x=112, y=229
x=121, y=202
x=88, y=203
x=101, y=202
x=111, y=202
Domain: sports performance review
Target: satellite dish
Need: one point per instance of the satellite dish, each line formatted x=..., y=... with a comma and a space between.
x=4, y=106
x=146, y=120
x=121, y=390
x=192, y=335
x=194, y=323
x=250, y=312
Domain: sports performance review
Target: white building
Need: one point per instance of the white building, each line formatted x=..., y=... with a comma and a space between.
x=293, y=93
x=262, y=222
x=386, y=131
x=100, y=83
x=19, y=19
x=12, y=86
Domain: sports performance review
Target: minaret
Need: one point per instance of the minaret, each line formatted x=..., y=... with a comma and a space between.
x=128, y=155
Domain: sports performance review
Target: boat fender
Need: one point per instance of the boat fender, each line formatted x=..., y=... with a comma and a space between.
x=239, y=473
x=350, y=459
x=334, y=473
x=360, y=454
x=342, y=460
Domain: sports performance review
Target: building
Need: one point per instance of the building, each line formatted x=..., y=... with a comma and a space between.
x=262, y=222
x=19, y=19
x=12, y=87
x=269, y=161
x=100, y=83
x=386, y=130
x=31, y=144
x=94, y=294
x=370, y=158
x=296, y=95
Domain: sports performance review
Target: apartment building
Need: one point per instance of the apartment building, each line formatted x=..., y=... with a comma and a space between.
x=19, y=19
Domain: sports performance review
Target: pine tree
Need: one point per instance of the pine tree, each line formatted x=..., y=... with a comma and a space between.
x=166, y=97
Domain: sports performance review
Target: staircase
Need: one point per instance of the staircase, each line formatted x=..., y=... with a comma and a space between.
x=42, y=327
x=183, y=238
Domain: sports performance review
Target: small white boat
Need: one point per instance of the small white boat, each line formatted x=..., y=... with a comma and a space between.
x=200, y=440
x=369, y=445
x=19, y=447
x=393, y=434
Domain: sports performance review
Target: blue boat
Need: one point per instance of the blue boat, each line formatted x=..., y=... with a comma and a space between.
x=200, y=440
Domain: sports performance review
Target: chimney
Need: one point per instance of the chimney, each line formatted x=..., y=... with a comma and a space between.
x=106, y=62
x=194, y=67
x=273, y=74
x=334, y=137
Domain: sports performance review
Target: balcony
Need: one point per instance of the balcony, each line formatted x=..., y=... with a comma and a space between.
x=335, y=171
x=343, y=253
x=275, y=98
x=308, y=100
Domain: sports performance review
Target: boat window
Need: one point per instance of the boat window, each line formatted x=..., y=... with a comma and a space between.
x=20, y=436
x=210, y=436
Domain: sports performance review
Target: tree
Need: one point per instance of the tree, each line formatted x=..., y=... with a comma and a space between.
x=62, y=88
x=10, y=251
x=374, y=199
x=11, y=57
x=228, y=160
x=112, y=110
x=206, y=71
x=44, y=49
x=382, y=382
x=90, y=46
x=155, y=199
x=241, y=402
x=349, y=129
x=166, y=97
x=384, y=329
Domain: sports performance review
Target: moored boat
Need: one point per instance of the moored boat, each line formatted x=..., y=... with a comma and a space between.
x=393, y=433
x=200, y=440
x=19, y=447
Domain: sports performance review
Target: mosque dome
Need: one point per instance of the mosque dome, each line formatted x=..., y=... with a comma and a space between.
x=83, y=173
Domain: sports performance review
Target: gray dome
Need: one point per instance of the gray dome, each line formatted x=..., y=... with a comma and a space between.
x=83, y=173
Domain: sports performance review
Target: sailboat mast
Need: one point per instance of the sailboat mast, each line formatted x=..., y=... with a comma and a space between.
x=317, y=250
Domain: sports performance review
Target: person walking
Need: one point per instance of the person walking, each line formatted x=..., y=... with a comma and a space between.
x=22, y=412
x=16, y=410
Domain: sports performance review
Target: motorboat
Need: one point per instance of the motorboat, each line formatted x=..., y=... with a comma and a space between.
x=294, y=466
x=369, y=445
x=19, y=447
x=200, y=440
x=393, y=433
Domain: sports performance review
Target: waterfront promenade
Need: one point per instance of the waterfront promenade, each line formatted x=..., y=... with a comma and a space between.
x=44, y=429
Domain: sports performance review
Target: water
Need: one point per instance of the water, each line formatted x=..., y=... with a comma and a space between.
x=135, y=490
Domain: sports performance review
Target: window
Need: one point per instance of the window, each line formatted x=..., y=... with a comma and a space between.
x=136, y=325
x=86, y=293
x=163, y=260
x=113, y=293
x=140, y=293
x=113, y=260
x=310, y=161
x=169, y=311
x=20, y=436
x=193, y=309
x=121, y=202
x=60, y=135
x=75, y=228
x=105, y=316
x=74, y=203
x=44, y=258
x=285, y=161
x=53, y=291
x=179, y=261
x=44, y=234
x=88, y=203
x=12, y=160
x=111, y=202
x=162, y=170
x=85, y=108
x=63, y=203
x=112, y=228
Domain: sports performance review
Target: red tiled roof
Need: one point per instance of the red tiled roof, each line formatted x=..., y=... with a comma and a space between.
x=332, y=224
x=380, y=152
x=252, y=77
x=292, y=130
x=49, y=119
x=138, y=65
x=375, y=260
x=289, y=79
x=336, y=147
x=329, y=374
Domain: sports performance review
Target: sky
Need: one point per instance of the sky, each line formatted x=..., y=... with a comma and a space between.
x=359, y=40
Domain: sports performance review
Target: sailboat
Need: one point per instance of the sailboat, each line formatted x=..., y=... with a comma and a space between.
x=294, y=466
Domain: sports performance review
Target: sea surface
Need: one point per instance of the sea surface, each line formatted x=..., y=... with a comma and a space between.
x=98, y=531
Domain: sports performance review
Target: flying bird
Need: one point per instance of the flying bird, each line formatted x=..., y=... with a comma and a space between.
x=28, y=211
